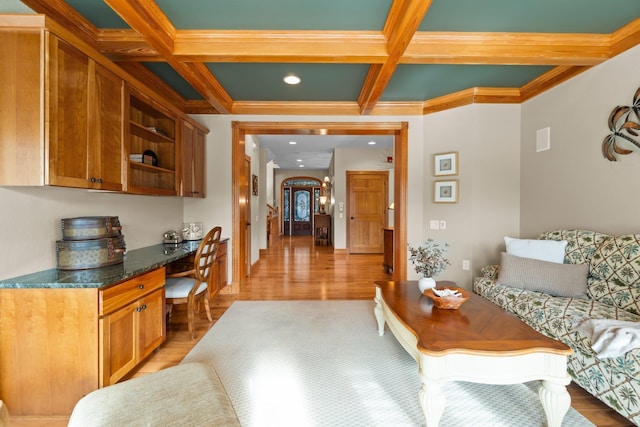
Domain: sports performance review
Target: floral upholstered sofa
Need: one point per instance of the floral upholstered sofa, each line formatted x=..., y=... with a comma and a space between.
x=612, y=291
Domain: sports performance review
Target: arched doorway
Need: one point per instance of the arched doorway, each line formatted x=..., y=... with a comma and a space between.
x=300, y=201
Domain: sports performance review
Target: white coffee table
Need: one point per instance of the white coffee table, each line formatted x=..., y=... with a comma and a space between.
x=478, y=343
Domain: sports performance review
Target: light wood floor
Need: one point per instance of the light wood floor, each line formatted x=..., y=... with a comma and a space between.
x=295, y=269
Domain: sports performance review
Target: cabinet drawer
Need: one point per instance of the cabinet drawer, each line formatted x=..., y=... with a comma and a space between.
x=124, y=293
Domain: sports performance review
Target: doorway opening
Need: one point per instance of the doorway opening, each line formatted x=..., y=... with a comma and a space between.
x=399, y=130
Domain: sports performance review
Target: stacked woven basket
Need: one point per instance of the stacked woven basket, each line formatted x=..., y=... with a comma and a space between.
x=90, y=242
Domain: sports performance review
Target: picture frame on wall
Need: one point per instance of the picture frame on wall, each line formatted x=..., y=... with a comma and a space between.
x=254, y=185
x=445, y=191
x=445, y=164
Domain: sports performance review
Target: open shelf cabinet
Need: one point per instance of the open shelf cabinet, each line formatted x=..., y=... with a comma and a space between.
x=151, y=129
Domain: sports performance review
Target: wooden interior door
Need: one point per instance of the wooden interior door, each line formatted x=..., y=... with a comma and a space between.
x=367, y=194
x=247, y=196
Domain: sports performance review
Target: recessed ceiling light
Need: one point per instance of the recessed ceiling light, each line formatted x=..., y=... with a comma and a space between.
x=301, y=166
x=292, y=143
x=371, y=143
x=292, y=79
x=298, y=160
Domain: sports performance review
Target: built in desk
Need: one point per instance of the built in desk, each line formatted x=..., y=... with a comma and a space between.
x=64, y=334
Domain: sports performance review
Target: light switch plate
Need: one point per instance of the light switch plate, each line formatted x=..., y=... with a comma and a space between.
x=434, y=224
x=543, y=139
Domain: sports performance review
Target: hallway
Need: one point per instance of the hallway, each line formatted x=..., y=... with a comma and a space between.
x=294, y=268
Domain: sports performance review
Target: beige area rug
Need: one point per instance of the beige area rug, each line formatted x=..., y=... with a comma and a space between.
x=322, y=363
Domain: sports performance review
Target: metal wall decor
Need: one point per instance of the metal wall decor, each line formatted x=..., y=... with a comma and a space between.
x=624, y=123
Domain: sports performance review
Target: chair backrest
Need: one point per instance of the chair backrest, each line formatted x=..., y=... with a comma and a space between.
x=206, y=254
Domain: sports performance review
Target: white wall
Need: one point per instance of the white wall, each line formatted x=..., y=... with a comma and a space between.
x=31, y=222
x=572, y=185
x=487, y=139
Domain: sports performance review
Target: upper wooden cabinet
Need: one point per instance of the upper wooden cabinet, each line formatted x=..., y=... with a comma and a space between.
x=193, y=154
x=70, y=117
x=85, y=121
x=65, y=127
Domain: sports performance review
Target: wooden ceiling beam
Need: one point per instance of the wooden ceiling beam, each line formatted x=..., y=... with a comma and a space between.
x=67, y=17
x=154, y=82
x=145, y=17
x=126, y=45
x=370, y=47
x=281, y=46
x=507, y=48
x=550, y=79
x=625, y=38
x=252, y=46
x=403, y=21
x=474, y=95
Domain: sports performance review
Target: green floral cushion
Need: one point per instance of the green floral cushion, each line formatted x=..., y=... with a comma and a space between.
x=615, y=381
x=615, y=272
x=581, y=244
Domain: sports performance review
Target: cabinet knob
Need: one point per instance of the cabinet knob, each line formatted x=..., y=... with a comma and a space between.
x=92, y=179
x=144, y=306
x=139, y=309
x=99, y=180
x=140, y=286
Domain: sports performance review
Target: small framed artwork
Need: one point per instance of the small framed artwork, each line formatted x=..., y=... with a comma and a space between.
x=445, y=164
x=254, y=185
x=445, y=191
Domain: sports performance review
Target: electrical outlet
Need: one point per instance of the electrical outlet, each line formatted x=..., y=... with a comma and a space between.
x=434, y=224
x=466, y=264
x=443, y=225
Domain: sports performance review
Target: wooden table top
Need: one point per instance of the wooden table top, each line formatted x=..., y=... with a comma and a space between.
x=477, y=327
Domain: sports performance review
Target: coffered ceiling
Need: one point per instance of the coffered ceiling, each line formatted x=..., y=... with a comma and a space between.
x=355, y=57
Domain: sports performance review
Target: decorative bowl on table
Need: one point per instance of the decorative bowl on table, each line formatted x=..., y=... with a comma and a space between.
x=450, y=297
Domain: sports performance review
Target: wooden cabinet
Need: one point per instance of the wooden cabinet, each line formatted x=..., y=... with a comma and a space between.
x=322, y=229
x=152, y=134
x=70, y=117
x=77, y=136
x=59, y=344
x=193, y=156
x=387, y=260
x=106, y=145
x=85, y=121
x=132, y=323
x=221, y=268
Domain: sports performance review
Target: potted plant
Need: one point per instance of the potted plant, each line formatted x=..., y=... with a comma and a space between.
x=428, y=260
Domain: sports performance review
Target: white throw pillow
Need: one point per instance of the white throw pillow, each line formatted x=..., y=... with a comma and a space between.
x=544, y=250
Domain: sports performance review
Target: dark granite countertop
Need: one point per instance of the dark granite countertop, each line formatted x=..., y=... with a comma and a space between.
x=136, y=262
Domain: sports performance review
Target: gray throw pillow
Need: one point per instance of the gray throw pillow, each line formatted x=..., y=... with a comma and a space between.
x=562, y=280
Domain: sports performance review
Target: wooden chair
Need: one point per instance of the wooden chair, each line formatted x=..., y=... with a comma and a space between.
x=190, y=286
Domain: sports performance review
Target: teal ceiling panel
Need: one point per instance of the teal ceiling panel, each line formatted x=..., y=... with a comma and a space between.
x=277, y=14
x=173, y=79
x=546, y=16
x=98, y=13
x=263, y=82
x=413, y=82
